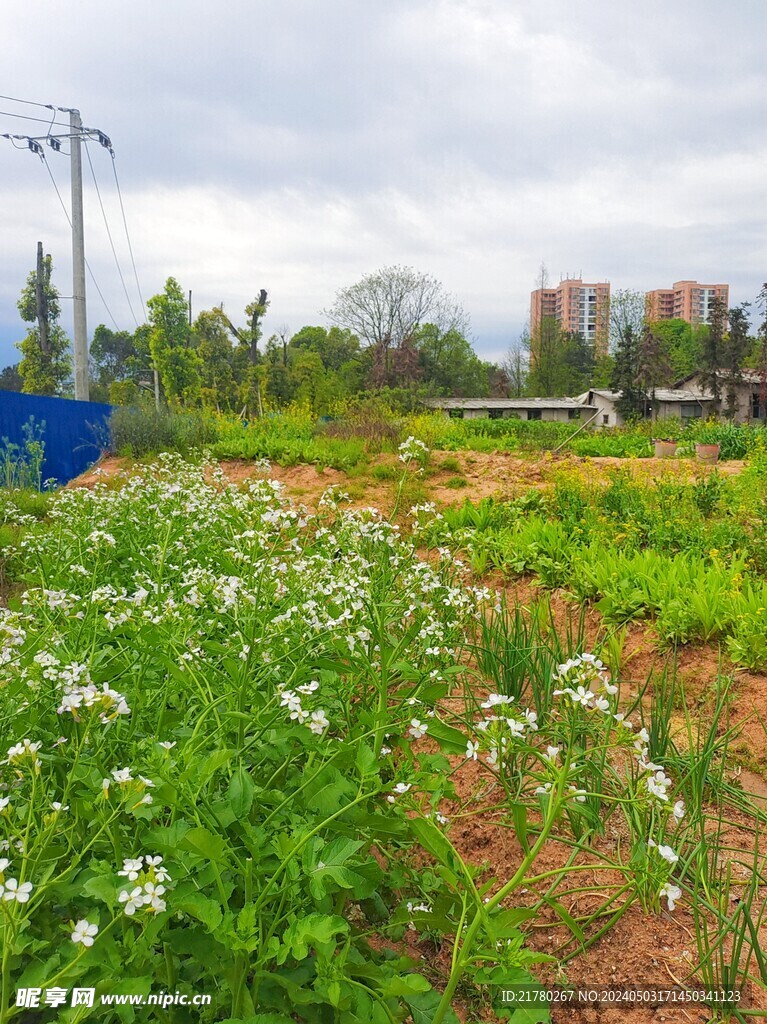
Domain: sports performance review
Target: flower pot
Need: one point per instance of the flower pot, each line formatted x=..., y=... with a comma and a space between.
x=708, y=453
x=665, y=449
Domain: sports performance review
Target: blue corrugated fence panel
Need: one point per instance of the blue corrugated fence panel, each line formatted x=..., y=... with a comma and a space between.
x=75, y=433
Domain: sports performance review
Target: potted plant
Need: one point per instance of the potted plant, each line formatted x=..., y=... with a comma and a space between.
x=665, y=447
x=667, y=441
x=707, y=446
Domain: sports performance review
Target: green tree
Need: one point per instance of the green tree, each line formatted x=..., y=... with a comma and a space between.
x=625, y=378
x=450, y=364
x=10, y=378
x=217, y=380
x=735, y=348
x=170, y=340
x=46, y=364
x=712, y=350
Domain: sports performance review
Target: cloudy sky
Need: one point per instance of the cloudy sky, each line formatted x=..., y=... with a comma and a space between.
x=298, y=144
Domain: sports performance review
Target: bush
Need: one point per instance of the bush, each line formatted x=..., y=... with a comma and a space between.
x=139, y=432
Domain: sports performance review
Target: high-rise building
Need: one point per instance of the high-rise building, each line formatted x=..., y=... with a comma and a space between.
x=578, y=307
x=686, y=300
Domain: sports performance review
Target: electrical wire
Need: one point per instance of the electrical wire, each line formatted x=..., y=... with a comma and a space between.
x=42, y=120
x=69, y=219
x=109, y=233
x=30, y=103
x=127, y=233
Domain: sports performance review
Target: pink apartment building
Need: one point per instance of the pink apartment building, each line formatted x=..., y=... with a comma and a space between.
x=577, y=306
x=686, y=300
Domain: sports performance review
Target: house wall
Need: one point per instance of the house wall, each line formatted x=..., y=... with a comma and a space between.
x=742, y=404
x=606, y=408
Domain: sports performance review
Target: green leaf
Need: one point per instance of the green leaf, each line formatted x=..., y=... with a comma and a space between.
x=451, y=741
x=240, y=792
x=423, y=1006
x=202, y=908
x=564, y=915
x=204, y=843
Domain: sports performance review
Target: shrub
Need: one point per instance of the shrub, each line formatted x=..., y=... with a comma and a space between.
x=137, y=431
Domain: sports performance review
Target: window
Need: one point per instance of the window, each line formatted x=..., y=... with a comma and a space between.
x=573, y=414
x=691, y=412
x=533, y=414
x=605, y=419
x=495, y=414
x=756, y=407
x=455, y=414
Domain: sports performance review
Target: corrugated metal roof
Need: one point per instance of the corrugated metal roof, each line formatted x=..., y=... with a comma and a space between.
x=661, y=395
x=505, y=403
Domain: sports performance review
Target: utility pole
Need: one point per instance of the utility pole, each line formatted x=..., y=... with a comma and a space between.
x=41, y=304
x=78, y=260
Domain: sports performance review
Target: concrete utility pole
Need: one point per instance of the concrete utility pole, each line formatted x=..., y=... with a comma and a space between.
x=78, y=260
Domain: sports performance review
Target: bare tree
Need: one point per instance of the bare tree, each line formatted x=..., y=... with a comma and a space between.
x=385, y=308
x=627, y=316
x=516, y=365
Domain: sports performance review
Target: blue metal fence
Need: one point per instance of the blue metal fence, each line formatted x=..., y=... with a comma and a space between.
x=75, y=433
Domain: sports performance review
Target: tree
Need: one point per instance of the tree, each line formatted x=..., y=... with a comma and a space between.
x=44, y=368
x=712, y=348
x=449, y=363
x=625, y=378
x=561, y=362
x=177, y=362
x=386, y=308
x=627, y=316
x=516, y=364
x=654, y=368
x=734, y=351
x=10, y=378
x=211, y=337
x=682, y=343
x=761, y=347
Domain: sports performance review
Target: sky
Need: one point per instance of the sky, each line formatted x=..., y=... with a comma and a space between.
x=297, y=145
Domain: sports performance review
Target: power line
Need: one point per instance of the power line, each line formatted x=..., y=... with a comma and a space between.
x=28, y=117
x=109, y=233
x=127, y=234
x=31, y=103
x=69, y=219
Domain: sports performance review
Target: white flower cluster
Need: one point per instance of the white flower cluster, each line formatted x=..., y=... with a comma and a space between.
x=149, y=872
x=411, y=449
x=579, y=676
x=316, y=720
x=109, y=703
x=499, y=731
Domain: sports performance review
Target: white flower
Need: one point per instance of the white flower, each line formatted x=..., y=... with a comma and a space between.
x=552, y=753
x=494, y=699
x=4, y=801
x=167, y=745
x=672, y=894
x=399, y=789
x=319, y=722
x=471, y=751
x=59, y=807
x=132, y=900
x=122, y=775
x=13, y=891
x=131, y=868
x=4, y=863
x=84, y=933
x=417, y=729
x=679, y=810
x=668, y=854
